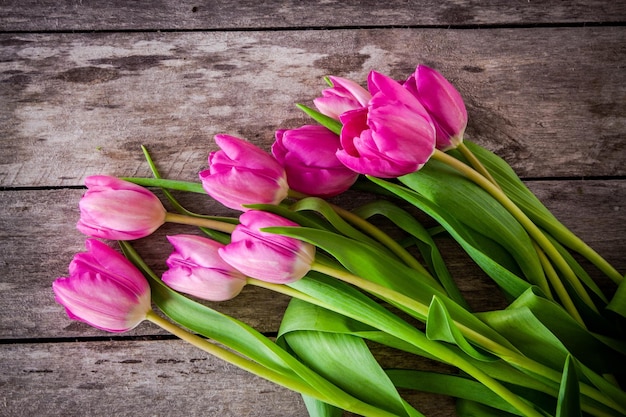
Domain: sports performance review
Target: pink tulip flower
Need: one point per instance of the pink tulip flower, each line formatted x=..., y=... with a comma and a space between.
x=119, y=210
x=392, y=136
x=267, y=256
x=196, y=268
x=240, y=173
x=309, y=157
x=444, y=104
x=345, y=95
x=104, y=289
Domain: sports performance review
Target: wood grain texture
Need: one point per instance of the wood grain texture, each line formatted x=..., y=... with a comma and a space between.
x=47, y=15
x=79, y=104
x=38, y=239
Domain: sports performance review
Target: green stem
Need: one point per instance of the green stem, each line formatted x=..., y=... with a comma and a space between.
x=232, y=358
x=528, y=224
x=382, y=237
x=561, y=292
x=420, y=311
x=200, y=222
x=475, y=162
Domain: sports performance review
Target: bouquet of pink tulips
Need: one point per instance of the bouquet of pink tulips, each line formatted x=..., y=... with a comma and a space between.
x=557, y=349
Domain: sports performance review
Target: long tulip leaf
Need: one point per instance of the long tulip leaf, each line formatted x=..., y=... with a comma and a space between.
x=478, y=210
x=510, y=283
x=439, y=326
x=426, y=244
x=569, y=393
x=343, y=359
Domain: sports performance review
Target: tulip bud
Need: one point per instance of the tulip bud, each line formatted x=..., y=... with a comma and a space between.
x=118, y=210
x=309, y=157
x=345, y=95
x=240, y=173
x=444, y=104
x=104, y=289
x=266, y=256
x=392, y=136
x=196, y=268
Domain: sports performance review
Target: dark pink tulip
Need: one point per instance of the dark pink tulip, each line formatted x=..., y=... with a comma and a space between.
x=267, y=256
x=309, y=157
x=345, y=95
x=196, y=268
x=392, y=136
x=241, y=173
x=444, y=104
x=119, y=210
x=104, y=289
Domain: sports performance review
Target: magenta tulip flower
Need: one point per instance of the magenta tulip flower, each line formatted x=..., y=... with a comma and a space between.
x=267, y=256
x=309, y=157
x=104, y=289
x=345, y=95
x=196, y=268
x=392, y=136
x=119, y=210
x=240, y=173
x=444, y=104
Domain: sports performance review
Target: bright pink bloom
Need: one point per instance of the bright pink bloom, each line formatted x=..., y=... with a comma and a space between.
x=444, y=104
x=267, y=256
x=309, y=157
x=345, y=95
x=119, y=210
x=392, y=136
x=104, y=289
x=196, y=268
x=240, y=173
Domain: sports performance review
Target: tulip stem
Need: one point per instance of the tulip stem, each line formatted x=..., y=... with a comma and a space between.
x=528, y=224
x=475, y=162
x=200, y=222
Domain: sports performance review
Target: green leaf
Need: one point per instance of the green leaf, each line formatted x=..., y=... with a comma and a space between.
x=192, y=187
x=439, y=326
x=618, y=302
x=466, y=408
x=426, y=244
x=512, y=284
x=317, y=408
x=450, y=385
x=569, y=393
x=478, y=210
x=343, y=359
x=328, y=122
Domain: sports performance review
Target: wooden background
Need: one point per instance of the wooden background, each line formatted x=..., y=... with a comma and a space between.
x=84, y=83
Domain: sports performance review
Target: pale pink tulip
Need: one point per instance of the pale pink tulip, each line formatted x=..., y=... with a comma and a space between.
x=103, y=289
x=115, y=209
x=344, y=95
x=267, y=256
x=196, y=268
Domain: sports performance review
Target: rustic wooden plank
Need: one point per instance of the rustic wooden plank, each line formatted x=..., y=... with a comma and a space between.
x=148, y=378
x=38, y=239
x=32, y=15
x=79, y=104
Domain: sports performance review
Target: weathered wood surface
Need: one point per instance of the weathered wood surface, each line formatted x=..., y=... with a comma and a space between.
x=536, y=96
x=37, y=15
x=543, y=89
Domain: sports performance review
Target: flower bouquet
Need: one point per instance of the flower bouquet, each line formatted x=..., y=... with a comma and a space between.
x=557, y=349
